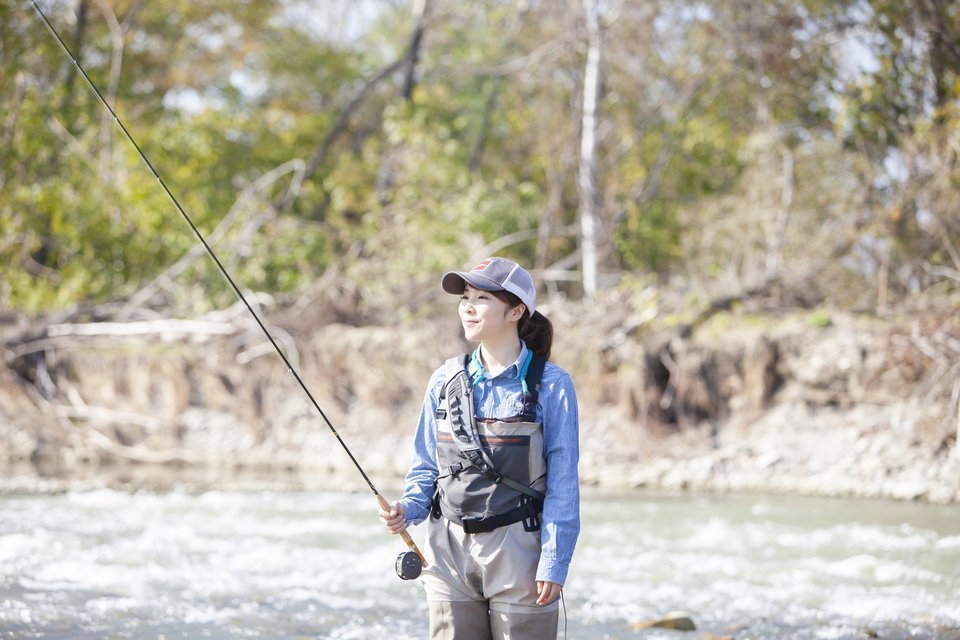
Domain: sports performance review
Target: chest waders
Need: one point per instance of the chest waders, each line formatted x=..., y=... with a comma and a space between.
x=492, y=471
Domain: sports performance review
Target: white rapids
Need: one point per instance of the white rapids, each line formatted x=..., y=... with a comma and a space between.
x=113, y=564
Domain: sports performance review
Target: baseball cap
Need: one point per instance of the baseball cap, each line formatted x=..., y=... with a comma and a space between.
x=495, y=274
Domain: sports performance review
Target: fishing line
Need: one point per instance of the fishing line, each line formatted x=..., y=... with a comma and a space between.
x=409, y=563
x=563, y=605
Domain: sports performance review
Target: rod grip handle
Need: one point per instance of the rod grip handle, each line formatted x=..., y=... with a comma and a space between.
x=403, y=532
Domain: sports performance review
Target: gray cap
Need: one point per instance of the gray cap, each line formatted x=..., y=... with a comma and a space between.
x=495, y=274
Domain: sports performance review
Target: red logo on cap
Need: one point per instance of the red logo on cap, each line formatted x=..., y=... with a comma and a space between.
x=483, y=265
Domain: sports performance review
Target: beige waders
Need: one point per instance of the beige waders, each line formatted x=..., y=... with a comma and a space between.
x=482, y=586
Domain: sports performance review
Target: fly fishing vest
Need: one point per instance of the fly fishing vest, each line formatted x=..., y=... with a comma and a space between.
x=492, y=471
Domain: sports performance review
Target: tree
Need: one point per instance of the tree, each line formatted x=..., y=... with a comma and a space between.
x=712, y=145
x=588, y=148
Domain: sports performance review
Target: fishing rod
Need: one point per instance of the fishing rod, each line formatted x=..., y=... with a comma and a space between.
x=410, y=563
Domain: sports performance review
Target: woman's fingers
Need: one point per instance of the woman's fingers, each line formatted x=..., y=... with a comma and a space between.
x=393, y=519
x=549, y=591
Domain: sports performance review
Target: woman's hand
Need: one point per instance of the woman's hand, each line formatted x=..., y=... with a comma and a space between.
x=393, y=519
x=549, y=591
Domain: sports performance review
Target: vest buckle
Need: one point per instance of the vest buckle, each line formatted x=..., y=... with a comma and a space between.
x=533, y=508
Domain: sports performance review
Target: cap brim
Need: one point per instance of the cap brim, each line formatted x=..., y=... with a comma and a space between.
x=455, y=282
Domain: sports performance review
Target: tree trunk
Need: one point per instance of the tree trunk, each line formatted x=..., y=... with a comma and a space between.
x=551, y=212
x=71, y=71
x=420, y=11
x=588, y=152
x=391, y=160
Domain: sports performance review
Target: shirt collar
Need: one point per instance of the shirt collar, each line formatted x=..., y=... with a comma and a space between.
x=478, y=374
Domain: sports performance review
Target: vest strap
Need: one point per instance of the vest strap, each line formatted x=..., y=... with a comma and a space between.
x=459, y=399
x=531, y=376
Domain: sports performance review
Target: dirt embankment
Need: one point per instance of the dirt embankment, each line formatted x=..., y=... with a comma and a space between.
x=807, y=403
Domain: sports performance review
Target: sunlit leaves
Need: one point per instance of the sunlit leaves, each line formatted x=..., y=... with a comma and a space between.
x=700, y=105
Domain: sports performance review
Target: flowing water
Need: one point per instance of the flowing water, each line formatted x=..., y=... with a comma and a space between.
x=107, y=564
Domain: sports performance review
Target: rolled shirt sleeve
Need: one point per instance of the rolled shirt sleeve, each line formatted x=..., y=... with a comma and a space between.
x=422, y=476
x=561, y=508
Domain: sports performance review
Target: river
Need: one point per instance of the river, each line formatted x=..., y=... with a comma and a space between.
x=112, y=564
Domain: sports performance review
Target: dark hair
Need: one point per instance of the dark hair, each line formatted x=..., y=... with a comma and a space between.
x=536, y=330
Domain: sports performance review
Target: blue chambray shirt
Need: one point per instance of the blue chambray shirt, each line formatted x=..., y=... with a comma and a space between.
x=500, y=397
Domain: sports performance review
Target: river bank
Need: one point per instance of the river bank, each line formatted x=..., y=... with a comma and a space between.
x=806, y=403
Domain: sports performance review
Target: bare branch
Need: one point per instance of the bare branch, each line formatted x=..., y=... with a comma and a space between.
x=248, y=198
x=116, y=61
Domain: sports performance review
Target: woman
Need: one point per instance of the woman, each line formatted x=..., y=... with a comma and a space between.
x=495, y=468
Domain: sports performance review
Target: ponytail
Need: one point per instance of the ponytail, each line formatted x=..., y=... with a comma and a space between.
x=535, y=330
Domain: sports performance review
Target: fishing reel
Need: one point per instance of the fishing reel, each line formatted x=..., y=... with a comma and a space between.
x=409, y=565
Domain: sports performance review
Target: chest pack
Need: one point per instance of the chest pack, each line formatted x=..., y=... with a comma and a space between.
x=492, y=470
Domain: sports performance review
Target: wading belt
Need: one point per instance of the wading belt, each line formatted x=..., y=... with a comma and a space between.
x=528, y=511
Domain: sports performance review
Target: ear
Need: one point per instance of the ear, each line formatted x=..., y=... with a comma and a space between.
x=517, y=312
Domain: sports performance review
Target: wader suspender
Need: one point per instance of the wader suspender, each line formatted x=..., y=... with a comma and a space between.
x=459, y=393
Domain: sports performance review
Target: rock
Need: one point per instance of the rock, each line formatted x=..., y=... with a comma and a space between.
x=676, y=620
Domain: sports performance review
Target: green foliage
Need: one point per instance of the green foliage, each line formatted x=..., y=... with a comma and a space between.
x=700, y=105
x=820, y=319
x=649, y=239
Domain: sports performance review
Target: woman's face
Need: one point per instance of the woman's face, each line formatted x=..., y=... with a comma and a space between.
x=485, y=317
